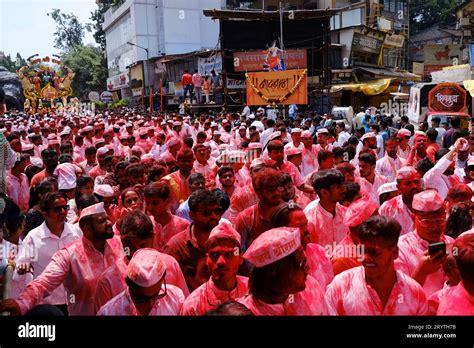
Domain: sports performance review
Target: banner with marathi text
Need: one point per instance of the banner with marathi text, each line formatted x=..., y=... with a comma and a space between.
x=281, y=87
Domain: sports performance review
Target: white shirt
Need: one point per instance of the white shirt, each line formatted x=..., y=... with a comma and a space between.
x=38, y=248
x=342, y=138
x=439, y=138
x=388, y=167
x=122, y=304
x=372, y=189
x=435, y=179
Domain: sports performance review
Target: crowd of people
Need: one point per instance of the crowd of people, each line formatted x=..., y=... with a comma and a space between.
x=127, y=213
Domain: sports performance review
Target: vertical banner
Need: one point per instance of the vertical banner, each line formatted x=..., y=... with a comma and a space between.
x=281, y=87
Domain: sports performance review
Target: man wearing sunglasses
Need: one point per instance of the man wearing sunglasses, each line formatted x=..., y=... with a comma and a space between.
x=430, y=224
x=147, y=293
x=43, y=242
x=223, y=259
x=376, y=288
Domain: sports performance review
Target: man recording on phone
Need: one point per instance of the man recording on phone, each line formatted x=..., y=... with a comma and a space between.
x=422, y=252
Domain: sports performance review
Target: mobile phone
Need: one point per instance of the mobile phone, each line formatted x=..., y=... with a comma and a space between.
x=433, y=248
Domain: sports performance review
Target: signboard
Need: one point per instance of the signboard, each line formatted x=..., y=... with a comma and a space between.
x=442, y=54
x=447, y=97
x=457, y=73
x=367, y=44
x=206, y=65
x=418, y=68
x=280, y=87
x=136, y=74
x=384, y=24
x=106, y=97
x=393, y=40
x=235, y=84
x=118, y=81
x=94, y=96
x=255, y=60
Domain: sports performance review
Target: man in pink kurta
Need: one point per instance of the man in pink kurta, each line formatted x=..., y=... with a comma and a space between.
x=145, y=274
x=136, y=232
x=310, y=154
x=78, y=266
x=409, y=183
x=376, y=288
x=328, y=215
x=430, y=223
x=459, y=300
x=223, y=260
x=390, y=163
x=369, y=180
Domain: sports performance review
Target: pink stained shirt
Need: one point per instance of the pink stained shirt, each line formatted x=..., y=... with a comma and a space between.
x=328, y=229
x=112, y=281
x=122, y=304
x=208, y=170
x=456, y=301
x=349, y=294
x=397, y=209
x=435, y=298
x=310, y=301
x=243, y=198
x=293, y=171
x=411, y=249
x=372, y=188
x=208, y=297
x=96, y=171
x=309, y=163
x=78, y=267
x=320, y=268
x=18, y=189
x=250, y=224
x=144, y=145
x=164, y=233
x=197, y=80
x=388, y=167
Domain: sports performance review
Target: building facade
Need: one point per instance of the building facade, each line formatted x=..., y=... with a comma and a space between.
x=139, y=32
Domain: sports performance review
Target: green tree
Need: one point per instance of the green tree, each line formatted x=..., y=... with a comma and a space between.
x=97, y=18
x=425, y=13
x=13, y=65
x=69, y=31
x=89, y=65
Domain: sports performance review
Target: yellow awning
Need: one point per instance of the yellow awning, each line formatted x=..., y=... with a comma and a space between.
x=368, y=88
x=469, y=85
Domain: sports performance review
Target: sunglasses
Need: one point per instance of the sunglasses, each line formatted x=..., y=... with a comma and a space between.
x=60, y=208
x=208, y=212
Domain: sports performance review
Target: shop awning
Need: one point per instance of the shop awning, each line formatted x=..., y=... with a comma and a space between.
x=384, y=73
x=368, y=88
x=469, y=86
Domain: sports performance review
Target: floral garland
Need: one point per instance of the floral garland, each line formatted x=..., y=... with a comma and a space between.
x=281, y=99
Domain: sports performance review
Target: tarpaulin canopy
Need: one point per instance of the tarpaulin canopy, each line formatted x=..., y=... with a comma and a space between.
x=368, y=88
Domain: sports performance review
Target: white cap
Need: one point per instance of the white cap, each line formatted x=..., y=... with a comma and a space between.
x=104, y=190
x=146, y=268
x=92, y=210
x=102, y=151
